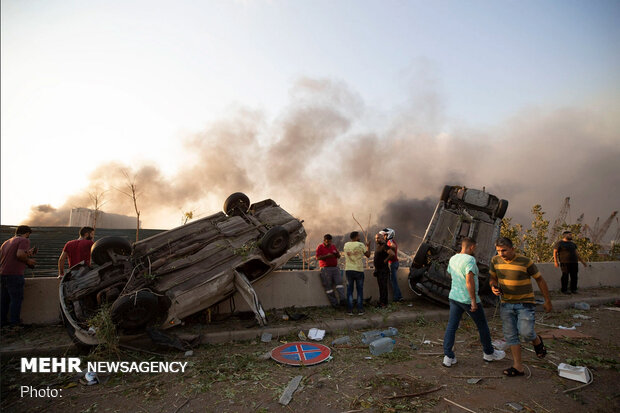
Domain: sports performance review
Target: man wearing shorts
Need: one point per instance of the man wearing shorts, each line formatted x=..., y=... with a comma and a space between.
x=511, y=279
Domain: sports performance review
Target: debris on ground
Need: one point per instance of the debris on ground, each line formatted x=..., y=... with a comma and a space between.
x=316, y=334
x=582, y=306
x=577, y=373
x=266, y=337
x=515, y=406
x=341, y=340
x=287, y=396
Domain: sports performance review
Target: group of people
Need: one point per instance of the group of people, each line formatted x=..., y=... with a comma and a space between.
x=385, y=263
x=510, y=279
x=16, y=254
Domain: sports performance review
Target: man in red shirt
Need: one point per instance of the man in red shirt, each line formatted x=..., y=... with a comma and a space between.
x=328, y=255
x=77, y=250
x=15, y=255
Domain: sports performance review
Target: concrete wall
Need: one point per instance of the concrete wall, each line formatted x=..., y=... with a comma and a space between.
x=597, y=274
x=300, y=289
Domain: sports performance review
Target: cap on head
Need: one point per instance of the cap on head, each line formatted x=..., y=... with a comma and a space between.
x=567, y=232
x=23, y=229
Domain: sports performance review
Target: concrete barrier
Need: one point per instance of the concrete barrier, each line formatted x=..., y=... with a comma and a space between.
x=300, y=289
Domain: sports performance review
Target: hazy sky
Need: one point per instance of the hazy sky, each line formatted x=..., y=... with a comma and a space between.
x=86, y=83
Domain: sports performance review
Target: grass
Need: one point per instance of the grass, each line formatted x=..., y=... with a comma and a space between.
x=106, y=333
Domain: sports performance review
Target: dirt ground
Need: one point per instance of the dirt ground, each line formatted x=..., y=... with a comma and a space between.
x=234, y=377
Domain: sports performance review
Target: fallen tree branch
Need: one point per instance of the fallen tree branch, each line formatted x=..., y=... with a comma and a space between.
x=362, y=228
x=478, y=377
x=422, y=393
x=458, y=405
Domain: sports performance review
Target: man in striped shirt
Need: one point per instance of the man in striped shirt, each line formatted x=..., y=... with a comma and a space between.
x=511, y=279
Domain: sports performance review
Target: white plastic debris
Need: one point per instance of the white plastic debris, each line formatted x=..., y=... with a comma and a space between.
x=577, y=373
x=499, y=344
x=316, y=334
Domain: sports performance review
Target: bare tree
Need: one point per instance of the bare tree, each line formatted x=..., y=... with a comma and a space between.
x=132, y=192
x=96, y=198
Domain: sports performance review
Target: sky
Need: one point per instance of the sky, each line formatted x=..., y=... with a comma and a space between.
x=328, y=107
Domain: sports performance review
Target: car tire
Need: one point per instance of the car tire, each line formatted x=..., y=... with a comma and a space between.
x=136, y=310
x=99, y=251
x=275, y=242
x=236, y=204
x=421, y=256
x=501, y=209
x=445, y=194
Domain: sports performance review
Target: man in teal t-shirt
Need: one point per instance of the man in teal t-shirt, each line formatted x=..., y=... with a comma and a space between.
x=464, y=298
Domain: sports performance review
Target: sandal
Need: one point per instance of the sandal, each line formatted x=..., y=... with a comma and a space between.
x=512, y=372
x=540, y=349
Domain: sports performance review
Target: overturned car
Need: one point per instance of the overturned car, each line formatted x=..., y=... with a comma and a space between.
x=169, y=276
x=461, y=212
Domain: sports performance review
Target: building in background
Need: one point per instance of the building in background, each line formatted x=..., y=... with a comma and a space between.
x=82, y=217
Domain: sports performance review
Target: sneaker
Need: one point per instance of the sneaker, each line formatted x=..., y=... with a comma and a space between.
x=497, y=355
x=360, y=313
x=350, y=313
x=448, y=362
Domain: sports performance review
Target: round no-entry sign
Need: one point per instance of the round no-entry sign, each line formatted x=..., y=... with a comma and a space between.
x=301, y=353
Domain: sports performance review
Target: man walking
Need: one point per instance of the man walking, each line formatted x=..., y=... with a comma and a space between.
x=15, y=255
x=77, y=250
x=382, y=270
x=464, y=299
x=327, y=254
x=354, y=251
x=510, y=279
x=566, y=257
x=389, y=234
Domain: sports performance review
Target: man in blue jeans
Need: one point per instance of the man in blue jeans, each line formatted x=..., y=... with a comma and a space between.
x=464, y=299
x=511, y=276
x=354, y=252
x=15, y=255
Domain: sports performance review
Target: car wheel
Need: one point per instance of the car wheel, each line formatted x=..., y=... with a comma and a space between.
x=421, y=256
x=101, y=249
x=135, y=310
x=236, y=204
x=502, y=206
x=445, y=194
x=275, y=242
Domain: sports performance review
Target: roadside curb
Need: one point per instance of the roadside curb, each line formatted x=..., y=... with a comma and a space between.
x=341, y=323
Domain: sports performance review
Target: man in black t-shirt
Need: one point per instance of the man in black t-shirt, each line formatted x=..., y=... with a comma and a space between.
x=567, y=258
x=382, y=269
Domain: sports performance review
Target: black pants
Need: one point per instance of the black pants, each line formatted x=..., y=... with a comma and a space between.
x=569, y=269
x=383, y=275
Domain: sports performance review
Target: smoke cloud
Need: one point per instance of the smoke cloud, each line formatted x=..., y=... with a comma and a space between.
x=321, y=164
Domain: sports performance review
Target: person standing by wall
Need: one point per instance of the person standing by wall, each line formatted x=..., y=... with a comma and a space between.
x=566, y=257
x=382, y=269
x=389, y=235
x=327, y=254
x=354, y=251
x=15, y=255
x=511, y=280
x=464, y=299
x=77, y=250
